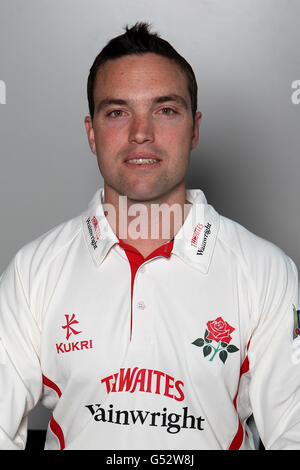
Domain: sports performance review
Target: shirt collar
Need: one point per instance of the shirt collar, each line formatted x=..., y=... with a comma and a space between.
x=194, y=243
x=98, y=234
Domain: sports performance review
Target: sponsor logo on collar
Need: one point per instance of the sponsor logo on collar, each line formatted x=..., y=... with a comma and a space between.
x=206, y=234
x=96, y=227
x=93, y=224
x=196, y=234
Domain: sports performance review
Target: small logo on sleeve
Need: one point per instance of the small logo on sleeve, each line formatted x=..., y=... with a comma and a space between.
x=216, y=340
x=296, y=328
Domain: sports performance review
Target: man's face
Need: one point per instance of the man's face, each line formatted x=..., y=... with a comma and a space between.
x=143, y=129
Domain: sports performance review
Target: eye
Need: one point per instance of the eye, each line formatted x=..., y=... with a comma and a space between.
x=168, y=111
x=115, y=113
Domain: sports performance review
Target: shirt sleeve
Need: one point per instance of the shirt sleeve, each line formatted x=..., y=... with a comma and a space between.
x=20, y=371
x=274, y=364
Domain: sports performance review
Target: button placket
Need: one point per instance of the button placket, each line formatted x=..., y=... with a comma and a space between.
x=141, y=305
x=142, y=311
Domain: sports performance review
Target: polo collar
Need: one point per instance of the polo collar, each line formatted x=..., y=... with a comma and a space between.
x=194, y=243
x=98, y=233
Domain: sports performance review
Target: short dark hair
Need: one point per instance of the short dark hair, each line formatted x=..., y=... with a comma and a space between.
x=139, y=40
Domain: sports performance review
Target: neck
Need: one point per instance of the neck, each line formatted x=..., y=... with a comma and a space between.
x=146, y=224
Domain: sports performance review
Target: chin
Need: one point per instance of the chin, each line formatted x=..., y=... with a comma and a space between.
x=141, y=193
x=141, y=196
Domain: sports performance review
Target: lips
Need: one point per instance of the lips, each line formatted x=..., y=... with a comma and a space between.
x=142, y=160
x=139, y=158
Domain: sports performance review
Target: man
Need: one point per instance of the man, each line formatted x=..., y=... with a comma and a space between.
x=163, y=330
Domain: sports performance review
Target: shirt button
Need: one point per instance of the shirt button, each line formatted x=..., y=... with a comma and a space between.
x=141, y=305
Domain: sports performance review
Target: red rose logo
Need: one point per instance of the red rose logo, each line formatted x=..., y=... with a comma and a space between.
x=219, y=330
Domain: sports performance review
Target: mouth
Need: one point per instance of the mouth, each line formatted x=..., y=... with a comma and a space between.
x=142, y=160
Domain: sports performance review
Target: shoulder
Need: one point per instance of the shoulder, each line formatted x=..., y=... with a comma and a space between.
x=263, y=261
x=31, y=276
x=36, y=255
x=49, y=251
x=246, y=243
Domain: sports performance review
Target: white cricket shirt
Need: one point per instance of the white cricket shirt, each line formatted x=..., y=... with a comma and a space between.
x=174, y=351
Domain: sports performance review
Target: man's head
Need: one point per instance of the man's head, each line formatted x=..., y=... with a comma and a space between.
x=143, y=122
x=139, y=40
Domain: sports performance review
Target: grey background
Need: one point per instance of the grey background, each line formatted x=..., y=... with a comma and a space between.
x=245, y=54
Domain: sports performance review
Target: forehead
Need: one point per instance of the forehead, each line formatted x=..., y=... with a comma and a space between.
x=140, y=76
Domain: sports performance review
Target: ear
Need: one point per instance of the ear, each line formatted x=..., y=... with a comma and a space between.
x=196, y=125
x=90, y=133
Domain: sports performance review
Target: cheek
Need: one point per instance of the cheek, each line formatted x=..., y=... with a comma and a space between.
x=176, y=137
x=177, y=147
x=107, y=140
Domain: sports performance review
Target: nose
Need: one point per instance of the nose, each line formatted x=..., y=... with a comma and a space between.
x=141, y=130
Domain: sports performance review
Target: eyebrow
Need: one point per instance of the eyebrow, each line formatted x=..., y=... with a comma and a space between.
x=107, y=102
x=177, y=98
x=159, y=99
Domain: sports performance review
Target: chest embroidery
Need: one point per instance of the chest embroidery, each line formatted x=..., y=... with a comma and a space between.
x=216, y=340
x=70, y=330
